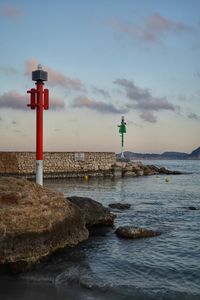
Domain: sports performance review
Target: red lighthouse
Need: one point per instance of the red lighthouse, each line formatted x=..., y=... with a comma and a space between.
x=39, y=100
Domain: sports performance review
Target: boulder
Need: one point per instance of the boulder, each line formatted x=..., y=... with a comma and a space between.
x=94, y=212
x=140, y=172
x=168, y=172
x=35, y=222
x=120, y=205
x=193, y=208
x=132, y=169
x=131, y=232
x=149, y=170
x=128, y=168
x=117, y=171
x=129, y=174
x=119, y=164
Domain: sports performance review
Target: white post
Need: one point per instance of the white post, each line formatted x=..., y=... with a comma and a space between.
x=39, y=172
x=122, y=153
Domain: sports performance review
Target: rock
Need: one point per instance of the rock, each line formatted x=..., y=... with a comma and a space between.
x=140, y=172
x=129, y=174
x=117, y=171
x=94, y=212
x=153, y=169
x=120, y=205
x=35, y=222
x=128, y=168
x=132, y=169
x=193, y=208
x=131, y=232
x=168, y=172
x=150, y=170
x=120, y=164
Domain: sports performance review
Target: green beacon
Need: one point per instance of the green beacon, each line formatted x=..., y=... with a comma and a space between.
x=122, y=130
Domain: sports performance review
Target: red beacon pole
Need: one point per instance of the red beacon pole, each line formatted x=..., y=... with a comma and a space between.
x=39, y=100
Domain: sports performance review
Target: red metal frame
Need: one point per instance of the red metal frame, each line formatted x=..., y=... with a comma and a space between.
x=39, y=100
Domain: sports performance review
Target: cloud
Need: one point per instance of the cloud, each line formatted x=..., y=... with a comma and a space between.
x=141, y=99
x=193, y=116
x=102, y=107
x=197, y=74
x=154, y=104
x=100, y=91
x=155, y=27
x=55, y=103
x=159, y=24
x=11, y=11
x=55, y=78
x=13, y=99
x=148, y=116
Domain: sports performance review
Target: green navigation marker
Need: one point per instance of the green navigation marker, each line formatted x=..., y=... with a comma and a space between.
x=122, y=130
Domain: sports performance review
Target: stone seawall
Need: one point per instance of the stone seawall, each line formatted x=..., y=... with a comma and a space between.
x=57, y=164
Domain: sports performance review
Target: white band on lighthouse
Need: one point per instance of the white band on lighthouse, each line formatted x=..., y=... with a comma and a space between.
x=122, y=153
x=39, y=172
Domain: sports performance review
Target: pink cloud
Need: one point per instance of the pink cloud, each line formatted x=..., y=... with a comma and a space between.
x=55, y=78
x=13, y=99
x=148, y=116
x=152, y=30
x=11, y=12
x=99, y=106
x=159, y=24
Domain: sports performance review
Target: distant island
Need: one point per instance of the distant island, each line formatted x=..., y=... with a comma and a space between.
x=195, y=154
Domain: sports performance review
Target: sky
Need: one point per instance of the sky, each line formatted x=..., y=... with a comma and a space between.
x=105, y=59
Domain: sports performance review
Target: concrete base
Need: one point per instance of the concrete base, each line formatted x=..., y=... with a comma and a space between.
x=39, y=172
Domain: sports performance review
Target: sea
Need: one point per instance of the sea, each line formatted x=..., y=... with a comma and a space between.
x=107, y=267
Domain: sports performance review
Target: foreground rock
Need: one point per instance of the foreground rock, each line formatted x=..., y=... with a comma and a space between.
x=130, y=232
x=94, y=212
x=119, y=205
x=35, y=222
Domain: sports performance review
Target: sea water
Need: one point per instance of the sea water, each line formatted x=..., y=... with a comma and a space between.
x=107, y=267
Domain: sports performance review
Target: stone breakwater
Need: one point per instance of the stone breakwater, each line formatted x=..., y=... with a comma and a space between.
x=57, y=164
x=74, y=164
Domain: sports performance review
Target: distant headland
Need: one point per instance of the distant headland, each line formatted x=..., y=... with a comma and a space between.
x=195, y=154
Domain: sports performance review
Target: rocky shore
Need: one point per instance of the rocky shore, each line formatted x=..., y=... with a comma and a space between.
x=135, y=168
x=36, y=221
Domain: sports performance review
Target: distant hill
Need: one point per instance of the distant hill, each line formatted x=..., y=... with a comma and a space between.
x=165, y=155
x=195, y=154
